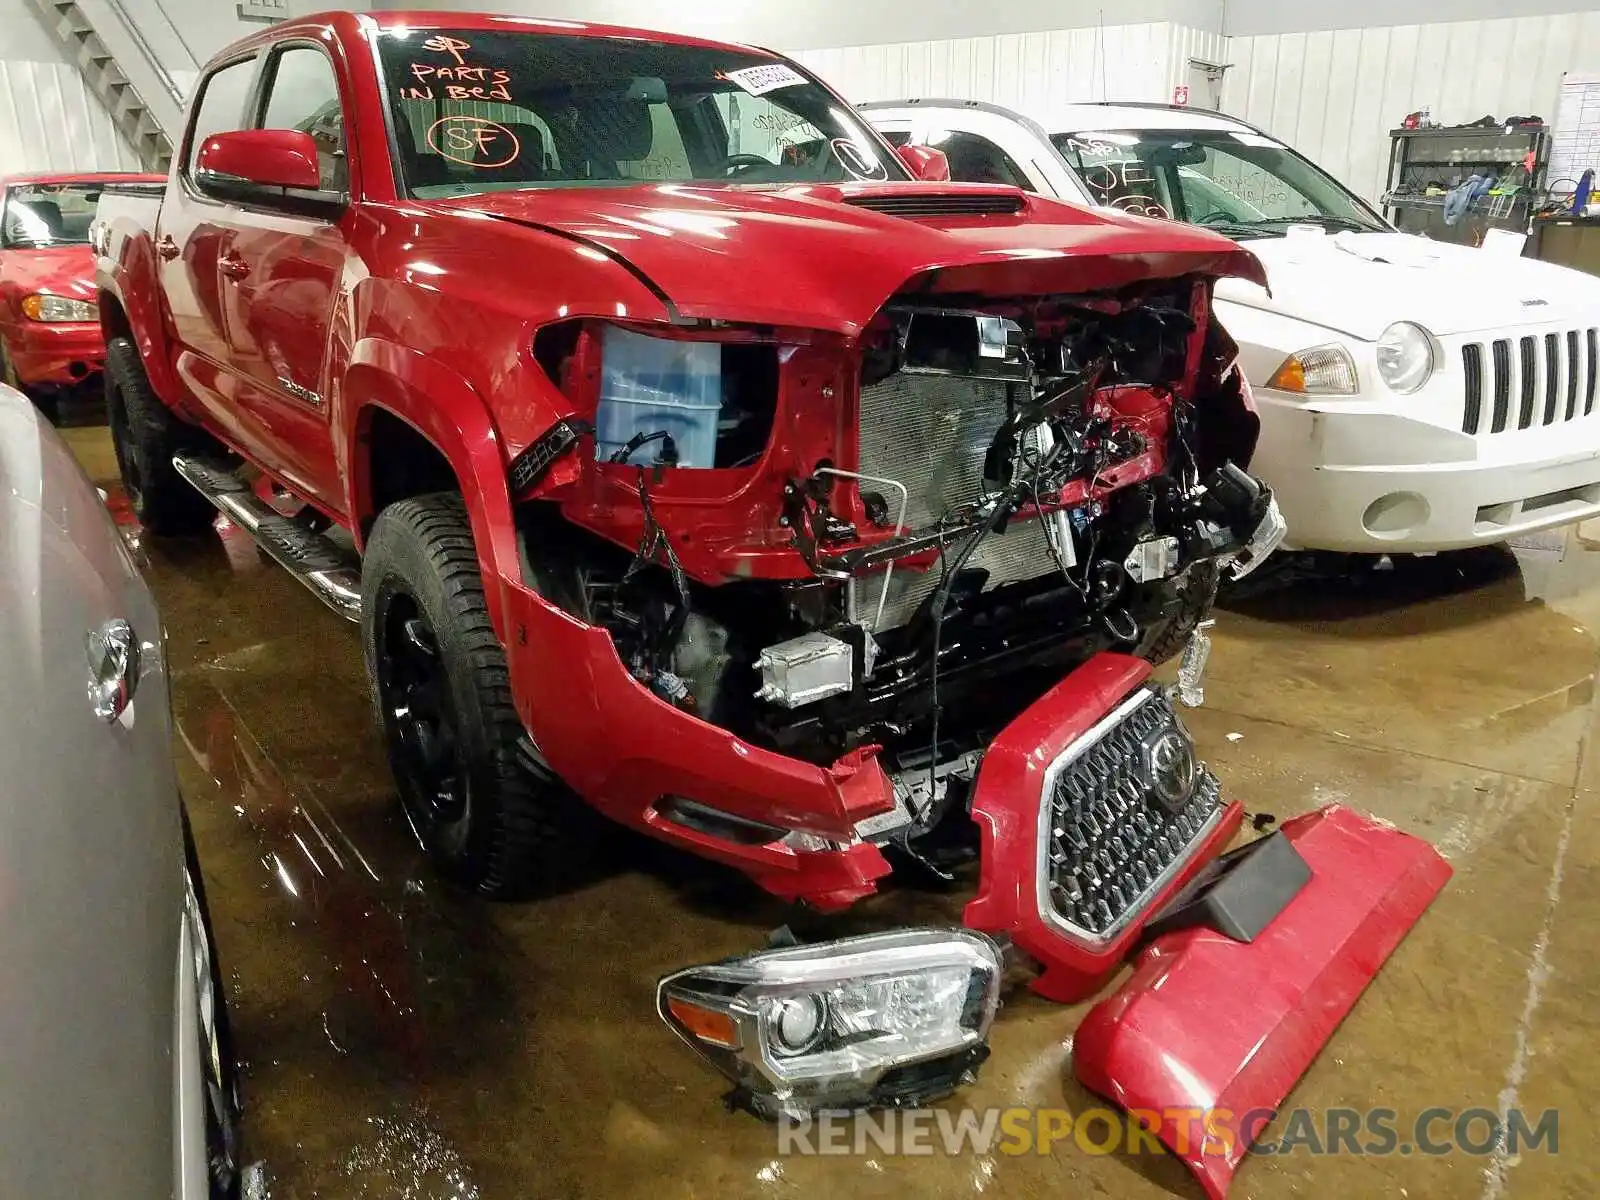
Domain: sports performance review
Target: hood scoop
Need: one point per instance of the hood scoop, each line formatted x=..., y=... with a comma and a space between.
x=937, y=204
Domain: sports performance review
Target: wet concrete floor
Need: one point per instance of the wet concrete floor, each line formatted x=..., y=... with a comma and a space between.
x=403, y=1040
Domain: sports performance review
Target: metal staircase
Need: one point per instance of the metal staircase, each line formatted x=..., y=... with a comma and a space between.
x=116, y=61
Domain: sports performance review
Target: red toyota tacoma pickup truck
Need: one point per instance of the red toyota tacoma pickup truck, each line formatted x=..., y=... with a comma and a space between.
x=696, y=455
x=680, y=444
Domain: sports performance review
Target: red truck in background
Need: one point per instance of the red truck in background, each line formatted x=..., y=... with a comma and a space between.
x=680, y=444
x=50, y=340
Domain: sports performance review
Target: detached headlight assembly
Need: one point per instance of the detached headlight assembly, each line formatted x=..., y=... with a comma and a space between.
x=883, y=1020
x=41, y=306
x=1405, y=357
x=1319, y=371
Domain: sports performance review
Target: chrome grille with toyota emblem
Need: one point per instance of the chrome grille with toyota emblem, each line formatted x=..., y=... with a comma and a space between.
x=1123, y=808
x=1530, y=381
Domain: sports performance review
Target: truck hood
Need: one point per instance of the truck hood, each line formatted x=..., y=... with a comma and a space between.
x=816, y=257
x=58, y=270
x=1360, y=283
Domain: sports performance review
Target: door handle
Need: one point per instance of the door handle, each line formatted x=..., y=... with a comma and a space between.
x=167, y=248
x=113, y=654
x=233, y=266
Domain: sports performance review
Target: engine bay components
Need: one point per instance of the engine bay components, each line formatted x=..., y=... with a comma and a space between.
x=880, y=1020
x=1152, y=559
x=811, y=667
x=1027, y=483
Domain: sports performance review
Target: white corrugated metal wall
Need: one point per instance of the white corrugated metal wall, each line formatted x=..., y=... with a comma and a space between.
x=50, y=121
x=1025, y=70
x=1335, y=95
x=1186, y=43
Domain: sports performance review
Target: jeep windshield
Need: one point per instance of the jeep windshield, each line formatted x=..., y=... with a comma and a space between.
x=1240, y=183
x=39, y=215
x=477, y=111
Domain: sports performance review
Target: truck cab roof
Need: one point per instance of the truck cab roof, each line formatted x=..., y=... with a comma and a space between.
x=482, y=22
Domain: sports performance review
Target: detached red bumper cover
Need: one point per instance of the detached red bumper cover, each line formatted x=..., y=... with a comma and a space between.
x=1208, y=1023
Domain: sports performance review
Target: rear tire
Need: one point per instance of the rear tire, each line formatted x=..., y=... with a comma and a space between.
x=443, y=697
x=145, y=436
x=1164, y=639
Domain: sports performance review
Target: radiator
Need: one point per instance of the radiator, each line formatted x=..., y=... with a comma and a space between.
x=930, y=431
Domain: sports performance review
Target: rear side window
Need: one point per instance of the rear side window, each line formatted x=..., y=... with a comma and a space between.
x=220, y=108
x=304, y=95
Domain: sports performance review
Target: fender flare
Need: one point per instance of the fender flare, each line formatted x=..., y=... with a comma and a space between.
x=140, y=304
x=447, y=412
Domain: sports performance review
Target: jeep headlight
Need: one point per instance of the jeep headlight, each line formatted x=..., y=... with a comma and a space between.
x=886, y=1019
x=1405, y=356
x=41, y=306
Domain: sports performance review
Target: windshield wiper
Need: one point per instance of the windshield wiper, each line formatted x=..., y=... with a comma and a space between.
x=1237, y=229
x=1325, y=221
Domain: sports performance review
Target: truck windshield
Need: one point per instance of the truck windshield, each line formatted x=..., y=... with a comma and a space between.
x=38, y=215
x=1241, y=183
x=476, y=111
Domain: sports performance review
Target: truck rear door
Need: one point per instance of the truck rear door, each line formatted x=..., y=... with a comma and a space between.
x=192, y=234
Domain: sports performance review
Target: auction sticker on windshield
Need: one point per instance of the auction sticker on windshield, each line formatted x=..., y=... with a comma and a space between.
x=768, y=77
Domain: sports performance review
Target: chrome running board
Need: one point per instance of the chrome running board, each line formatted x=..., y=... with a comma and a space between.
x=332, y=573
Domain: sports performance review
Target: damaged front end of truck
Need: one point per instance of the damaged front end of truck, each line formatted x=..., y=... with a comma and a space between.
x=836, y=560
x=865, y=570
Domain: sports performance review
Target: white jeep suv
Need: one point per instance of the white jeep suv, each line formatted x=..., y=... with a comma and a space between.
x=1414, y=395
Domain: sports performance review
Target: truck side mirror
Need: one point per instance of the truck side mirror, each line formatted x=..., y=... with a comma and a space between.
x=273, y=158
x=925, y=163
x=273, y=167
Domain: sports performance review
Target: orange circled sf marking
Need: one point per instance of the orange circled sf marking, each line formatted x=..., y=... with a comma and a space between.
x=458, y=136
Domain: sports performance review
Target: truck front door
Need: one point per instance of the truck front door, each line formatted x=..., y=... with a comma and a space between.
x=282, y=279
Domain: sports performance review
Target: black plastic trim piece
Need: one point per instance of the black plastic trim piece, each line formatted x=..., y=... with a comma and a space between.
x=534, y=463
x=1240, y=893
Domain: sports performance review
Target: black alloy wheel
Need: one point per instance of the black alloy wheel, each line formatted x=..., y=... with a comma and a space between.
x=415, y=693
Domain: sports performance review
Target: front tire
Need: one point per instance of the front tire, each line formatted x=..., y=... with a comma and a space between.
x=443, y=697
x=145, y=436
